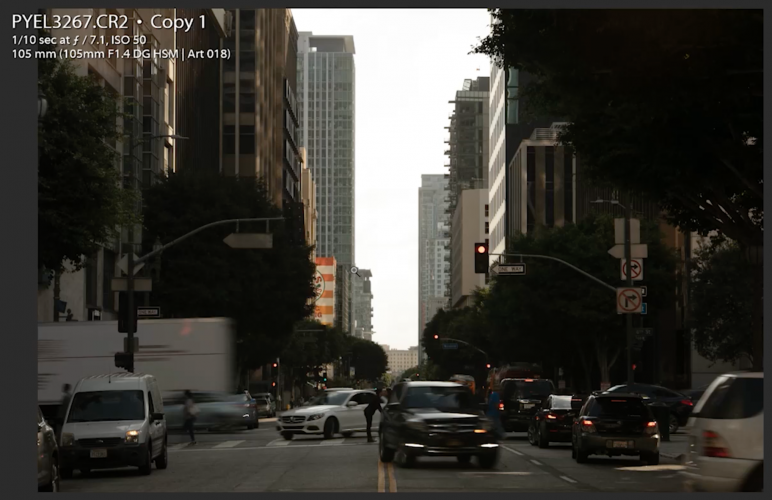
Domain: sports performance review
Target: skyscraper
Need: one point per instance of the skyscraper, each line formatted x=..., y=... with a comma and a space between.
x=326, y=95
x=433, y=251
x=362, y=303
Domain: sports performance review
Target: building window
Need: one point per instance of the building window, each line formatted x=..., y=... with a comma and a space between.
x=487, y=228
x=486, y=210
x=247, y=139
x=229, y=97
x=229, y=139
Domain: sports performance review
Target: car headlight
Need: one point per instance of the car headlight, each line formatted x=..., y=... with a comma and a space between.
x=67, y=439
x=485, y=426
x=417, y=425
x=316, y=417
x=132, y=437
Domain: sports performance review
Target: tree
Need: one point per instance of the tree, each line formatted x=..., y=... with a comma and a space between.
x=664, y=103
x=311, y=346
x=368, y=359
x=553, y=314
x=80, y=201
x=721, y=310
x=266, y=292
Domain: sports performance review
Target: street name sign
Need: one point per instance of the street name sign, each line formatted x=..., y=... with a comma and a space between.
x=450, y=346
x=619, y=231
x=148, y=312
x=140, y=285
x=636, y=269
x=629, y=300
x=123, y=264
x=250, y=240
x=511, y=269
x=637, y=251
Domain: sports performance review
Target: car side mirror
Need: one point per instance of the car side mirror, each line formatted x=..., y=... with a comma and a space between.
x=352, y=404
x=157, y=416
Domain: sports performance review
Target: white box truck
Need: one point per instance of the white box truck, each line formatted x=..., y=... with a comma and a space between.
x=196, y=354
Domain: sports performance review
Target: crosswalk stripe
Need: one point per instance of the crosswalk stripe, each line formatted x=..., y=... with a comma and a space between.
x=332, y=442
x=279, y=442
x=178, y=446
x=228, y=444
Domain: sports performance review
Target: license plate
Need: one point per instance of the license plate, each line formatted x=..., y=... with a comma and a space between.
x=454, y=444
x=619, y=444
x=98, y=453
x=528, y=405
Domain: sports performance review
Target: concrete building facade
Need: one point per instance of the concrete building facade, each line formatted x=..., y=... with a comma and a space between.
x=401, y=360
x=469, y=226
x=362, y=301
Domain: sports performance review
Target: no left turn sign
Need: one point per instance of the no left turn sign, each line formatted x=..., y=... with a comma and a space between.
x=629, y=300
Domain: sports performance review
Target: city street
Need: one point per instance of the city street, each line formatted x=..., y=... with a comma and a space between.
x=260, y=460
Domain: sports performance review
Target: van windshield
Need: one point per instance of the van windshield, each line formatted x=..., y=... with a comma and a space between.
x=107, y=406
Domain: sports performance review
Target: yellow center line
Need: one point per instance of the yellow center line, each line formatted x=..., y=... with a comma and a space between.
x=381, y=478
x=392, y=480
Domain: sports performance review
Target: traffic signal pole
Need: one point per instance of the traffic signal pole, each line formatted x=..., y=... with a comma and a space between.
x=628, y=258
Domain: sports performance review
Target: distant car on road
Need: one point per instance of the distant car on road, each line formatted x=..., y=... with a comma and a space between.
x=251, y=416
x=681, y=406
x=615, y=424
x=330, y=413
x=263, y=408
x=271, y=400
x=727, y=436
x=553, y=422
x=216, y=410
x=48, y=457
x=521, y=399
x=435, y=419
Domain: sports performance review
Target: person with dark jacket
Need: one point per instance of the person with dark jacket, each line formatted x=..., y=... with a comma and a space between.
x=375, y=405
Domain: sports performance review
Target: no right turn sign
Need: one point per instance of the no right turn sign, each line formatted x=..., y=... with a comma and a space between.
x=629, y=300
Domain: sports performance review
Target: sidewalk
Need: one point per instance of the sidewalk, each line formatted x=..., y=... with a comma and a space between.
x=677, y=447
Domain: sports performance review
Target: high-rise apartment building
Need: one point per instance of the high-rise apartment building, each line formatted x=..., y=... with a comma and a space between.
x=362, y=301
x=326, y=105
x=433, y=251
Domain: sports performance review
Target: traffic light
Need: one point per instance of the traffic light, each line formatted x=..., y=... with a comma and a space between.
x=481, y=260
x=324, y=377
x=275, y=369
x=125, y=360
x=123, y=314
x=436, y=337
x=488, y=366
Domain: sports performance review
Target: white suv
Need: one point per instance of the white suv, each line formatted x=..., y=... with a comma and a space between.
x=726, y=448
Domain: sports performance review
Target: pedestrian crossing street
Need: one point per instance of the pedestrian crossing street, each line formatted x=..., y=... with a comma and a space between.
x=276, y=443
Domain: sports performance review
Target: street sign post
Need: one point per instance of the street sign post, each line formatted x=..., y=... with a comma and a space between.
x=636, y=269
x=249, y=240
x=148, y=312
x=449, y=346
x=510, y=269
x=123, y=265
x=628, y=300
x=637, y=251
x=619, y=231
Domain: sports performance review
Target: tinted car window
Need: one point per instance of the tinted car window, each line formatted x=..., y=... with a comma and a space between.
x=617, y=407
x=661, y=392
x=330, y=398
x=261, y=401
x=452, y=398
x=107, y=406
x=522, y=389
x=362, y=398
x=735, y=398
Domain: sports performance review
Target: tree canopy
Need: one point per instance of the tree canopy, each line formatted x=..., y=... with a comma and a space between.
x=310, y=346
x=266, y=292
x=81, y=203
x=368, y=359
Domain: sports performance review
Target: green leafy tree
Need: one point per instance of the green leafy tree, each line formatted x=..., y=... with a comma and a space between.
x=266, y=292
x=81, y=203
x=553, y=314
x=468, y=325
x=721, y=309
x=368, y=359
x=665, y=103
x=311, y=346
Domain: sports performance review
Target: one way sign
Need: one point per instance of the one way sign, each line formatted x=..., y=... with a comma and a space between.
x=636, y=269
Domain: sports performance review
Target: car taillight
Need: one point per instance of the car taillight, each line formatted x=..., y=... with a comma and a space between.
x=714, y=446
x=651, y=424
x=550, y=416
x=588, y=426
x=687, y=402
x=501, y=406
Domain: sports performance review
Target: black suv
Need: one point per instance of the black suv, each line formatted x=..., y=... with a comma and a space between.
x=521, y=398
x=553, y=422
x=435, y=419
x=614, y=425
x=681, y=406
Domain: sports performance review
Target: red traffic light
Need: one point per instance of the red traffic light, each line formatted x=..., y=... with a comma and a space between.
x=275, y=365
x=436, y=337
x=633, y=367
x=488, y=365
x=481, y=249
x=273, y=384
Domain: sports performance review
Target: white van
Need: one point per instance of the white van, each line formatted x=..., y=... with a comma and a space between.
x=113, y=421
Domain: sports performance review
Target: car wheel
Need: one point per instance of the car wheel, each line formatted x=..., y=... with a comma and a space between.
x=673, y=424
x=650, y=458
x=573, y=451
x=250, y=427
x=404, y=459
x=66, y=473
x=287, y=436
x=488, y=461
x=386, y=453
x=146, y=468
x=464, y=459
x=330, y=428
x=755, y=482
x=162, y=462
x=532, y=435
x=53, y=486
x=542, y=439
x=581, y=456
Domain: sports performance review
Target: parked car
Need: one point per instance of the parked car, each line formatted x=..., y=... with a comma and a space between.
x=216, y=410
x=553, y=422
x=696, y=394
x=48, y=456
x=681, y=406
x=520, y=400
x=435, y=419
x=114, y=420
x=727, y=437
x=330, y=413
x=250, y=416
x=271, y=400
x=263, y=408
x=615, y=424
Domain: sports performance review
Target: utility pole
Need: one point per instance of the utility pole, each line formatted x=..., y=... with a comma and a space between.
x=131, y=314
x=628, y=262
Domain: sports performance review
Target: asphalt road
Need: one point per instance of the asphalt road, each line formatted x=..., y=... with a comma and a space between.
x=260, y=460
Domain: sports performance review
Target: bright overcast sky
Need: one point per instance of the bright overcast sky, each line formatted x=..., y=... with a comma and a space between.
x=409, y=64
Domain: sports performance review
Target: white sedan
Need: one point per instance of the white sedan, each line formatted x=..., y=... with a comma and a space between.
x=331, y=413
